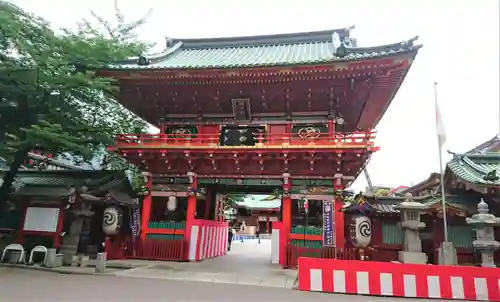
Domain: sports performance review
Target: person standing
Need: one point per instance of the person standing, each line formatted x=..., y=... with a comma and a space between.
x=242, y=229
x=257, y=232
x=229, y=238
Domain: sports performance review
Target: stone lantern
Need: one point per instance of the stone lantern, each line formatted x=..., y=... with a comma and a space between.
x=411, y=224
x=483, y=223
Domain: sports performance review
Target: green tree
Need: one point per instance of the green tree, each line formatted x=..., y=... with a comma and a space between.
x=49, y=97
x=382, y=193
x=233, y=199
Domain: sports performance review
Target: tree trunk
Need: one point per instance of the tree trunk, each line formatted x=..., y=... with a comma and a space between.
x=8, y=179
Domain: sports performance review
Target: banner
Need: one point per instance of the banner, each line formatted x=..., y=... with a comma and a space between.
x=328, y=223
x=135, y=220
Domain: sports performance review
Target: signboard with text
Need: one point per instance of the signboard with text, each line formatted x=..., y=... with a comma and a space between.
x=328, y=223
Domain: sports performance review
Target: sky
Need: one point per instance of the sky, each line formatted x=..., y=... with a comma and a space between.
x=461, y=53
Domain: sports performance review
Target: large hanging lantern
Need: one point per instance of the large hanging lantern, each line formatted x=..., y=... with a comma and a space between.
x=112, y=220
x=172, y=203
x=361, y=231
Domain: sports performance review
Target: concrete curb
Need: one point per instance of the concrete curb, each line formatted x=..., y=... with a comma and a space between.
x=56, y=271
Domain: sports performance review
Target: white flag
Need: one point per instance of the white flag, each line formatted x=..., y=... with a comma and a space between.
x=440, y=130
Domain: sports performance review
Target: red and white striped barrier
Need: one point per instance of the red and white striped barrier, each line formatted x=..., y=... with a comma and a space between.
x=399, y=280
x=276, y=249
x=208, y=240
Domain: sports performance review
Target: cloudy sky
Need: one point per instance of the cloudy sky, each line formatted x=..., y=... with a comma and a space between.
x=461, y=52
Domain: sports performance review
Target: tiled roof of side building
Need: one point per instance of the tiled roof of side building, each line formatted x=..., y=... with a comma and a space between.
x=389, y=204
x=483, y=169
x=261, y=51
x=492, y=145
x=59, y=184
x=431, y=181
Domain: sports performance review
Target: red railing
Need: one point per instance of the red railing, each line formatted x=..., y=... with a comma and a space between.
x=354, y=139
x=294, y=252
x=155, y=249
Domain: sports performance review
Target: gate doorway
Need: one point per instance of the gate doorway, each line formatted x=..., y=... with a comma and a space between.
x=250, y=211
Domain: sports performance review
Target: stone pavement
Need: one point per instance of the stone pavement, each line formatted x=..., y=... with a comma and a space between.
x=35, y=286
x=247, y=263
x=112, y=267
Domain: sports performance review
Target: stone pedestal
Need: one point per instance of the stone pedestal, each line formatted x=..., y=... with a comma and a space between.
x=411, y=224
x=485, y=242
x=53, y=259
x=447, y=254
x=100, y=264
x=412, y=257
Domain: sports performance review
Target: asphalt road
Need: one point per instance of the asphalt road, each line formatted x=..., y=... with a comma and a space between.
x=26, y=285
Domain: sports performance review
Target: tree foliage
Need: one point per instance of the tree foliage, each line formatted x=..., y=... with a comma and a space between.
x=49, y=97
x=382, y=193
x=233, y=199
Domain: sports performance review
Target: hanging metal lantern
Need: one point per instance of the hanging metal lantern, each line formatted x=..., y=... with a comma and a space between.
x=172, y=203
x=112, y=220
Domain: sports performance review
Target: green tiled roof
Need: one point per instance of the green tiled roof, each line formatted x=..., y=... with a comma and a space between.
x=483, y=169
x=260, y=51
x=259, y=202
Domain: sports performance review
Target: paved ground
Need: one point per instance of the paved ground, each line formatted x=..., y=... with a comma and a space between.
x=17, y=285
x=230, y=278
x=248, y=263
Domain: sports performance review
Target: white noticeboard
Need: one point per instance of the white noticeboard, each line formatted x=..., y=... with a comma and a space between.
x=41, y=219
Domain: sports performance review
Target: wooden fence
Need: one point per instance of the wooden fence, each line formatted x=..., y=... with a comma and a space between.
x=155, y=249
x=294, y=252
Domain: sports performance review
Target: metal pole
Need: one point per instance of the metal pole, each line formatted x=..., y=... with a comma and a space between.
x=306, y=222
x=441, y=170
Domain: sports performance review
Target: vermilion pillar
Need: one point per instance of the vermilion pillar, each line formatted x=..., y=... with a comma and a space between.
x=331, y=129
x=191, y=208
x=60, y=224
x=286, y=215
x=146, y=206
x=339, y=216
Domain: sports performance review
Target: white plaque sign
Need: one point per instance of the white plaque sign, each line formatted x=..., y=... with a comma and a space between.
x=41, y=219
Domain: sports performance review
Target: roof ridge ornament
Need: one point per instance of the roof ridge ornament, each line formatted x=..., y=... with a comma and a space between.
x=349, y=28
x=409, y=42
x=339, y=47
x=142, y=61
x=491, y=176
x=169, y=42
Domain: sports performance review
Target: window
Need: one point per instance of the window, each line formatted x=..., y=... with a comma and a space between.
x=461, y=235
x=392, y=233
x=412, y=215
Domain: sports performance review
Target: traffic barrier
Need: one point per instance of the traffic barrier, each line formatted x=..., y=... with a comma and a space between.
x=399, y=280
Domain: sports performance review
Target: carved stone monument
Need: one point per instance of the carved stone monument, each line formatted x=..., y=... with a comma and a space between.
x=483, y=223
x=411, y=224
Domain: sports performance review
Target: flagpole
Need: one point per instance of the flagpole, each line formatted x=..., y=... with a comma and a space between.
x=441, y=170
